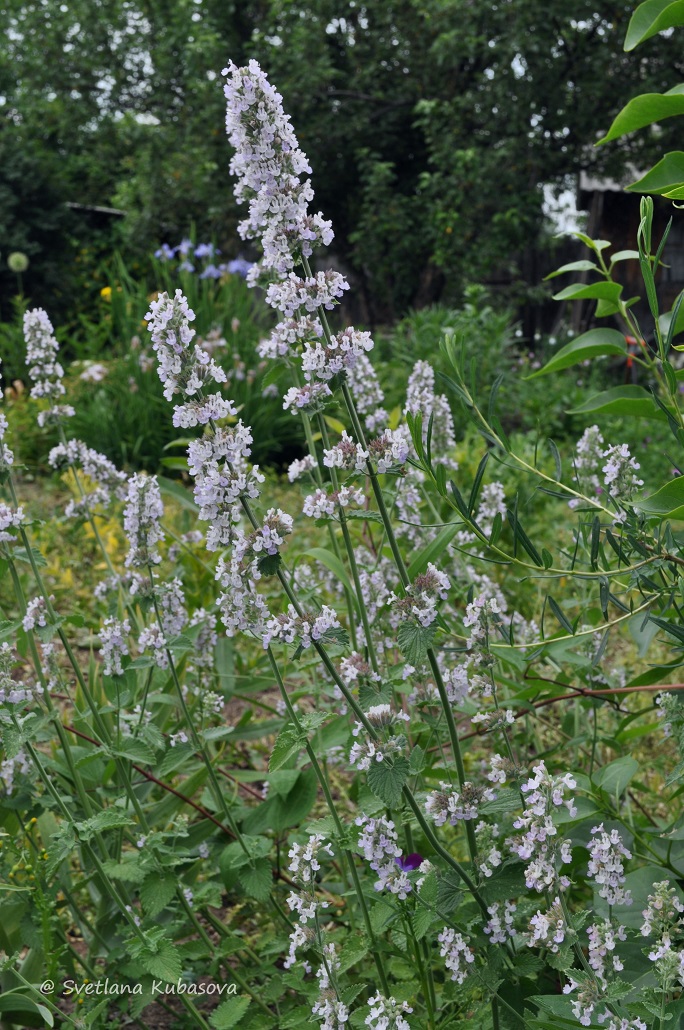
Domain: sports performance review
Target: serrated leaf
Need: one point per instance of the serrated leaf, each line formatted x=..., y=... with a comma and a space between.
x=135, y=751
x=164, y=964
x=156, y=892
x=229, y=1012
x=414, y=641
x=289, y=742
x=109, y=819
x=505, y=801
x=386, y=779
x=257, y=879
x=129, y=871
x=268, y=564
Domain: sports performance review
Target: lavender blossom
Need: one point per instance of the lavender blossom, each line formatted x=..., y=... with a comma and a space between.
x=142, y=523
x=44, y=369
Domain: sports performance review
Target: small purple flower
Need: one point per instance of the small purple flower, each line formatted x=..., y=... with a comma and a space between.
x=184, y=247
x=204, y=250
x=407, y=863
x=186, y=266
x=211, y=272
x=165, y=252
x=239, y=266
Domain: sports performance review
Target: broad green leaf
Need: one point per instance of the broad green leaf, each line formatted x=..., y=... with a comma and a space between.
x=135, y=751
x=575, y=266
x=414, y=641
x=172, y=488
x=631, y=400
x=652, y=17
x=432, y=551
x=229, y=1013
x=156, y=892
x=165, y=964
x=590, y=291
x=624, y=255
x=332, y=562
x=596, y=245
x=335, y=424
x=668, y=502
x=596, y=343
x=645, y=110
x=257, y=879
x=614, y=777
x=387, y=780
x=289, y=742
x=668, y=173
x=507, y=800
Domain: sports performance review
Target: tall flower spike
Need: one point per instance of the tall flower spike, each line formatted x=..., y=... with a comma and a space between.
x=44, y=369
x=268, y=164
x=183, y=368
x=142, y=521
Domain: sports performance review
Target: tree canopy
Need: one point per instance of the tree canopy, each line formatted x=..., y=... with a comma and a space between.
x=431, y=125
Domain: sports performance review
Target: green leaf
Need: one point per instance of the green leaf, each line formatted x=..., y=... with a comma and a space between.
x=164, y=964
x=664, y=176
x=596, y=343
x=592, y=291
x=668, y=502
x=129, y=871
x=386, y=779
x=414, y=641
x=633, y=401
x=332, y=562
x=268, y=564
x=156, y=892
x=108, y=819
x=575, y=266
x=505, y=801
x=432, y=551
x=172, y=488
x=289, y=742
x=229, y=1012
x=645, y=110
x=614, y=777
x=560, y=615
x=652, y=17
x=135, y=751
x=257, y=879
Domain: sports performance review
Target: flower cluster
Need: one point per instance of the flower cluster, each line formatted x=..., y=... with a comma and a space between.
x=420, y=601
x=538, y=844
x=304, y=867
x=382, y=718
x=457, y=953
x=10, y=518
x=44, y=369
x=378, y=843
x=113, y=645
x=322, y=505
x=548, y=928
x=499, y=926
x=387, y=1014
x=605, y=865
x=142, y=521
x=304, y=629
x=13, y=692
x=455, y=805
x=421, y=399
x=109, y=481
x=222, y=477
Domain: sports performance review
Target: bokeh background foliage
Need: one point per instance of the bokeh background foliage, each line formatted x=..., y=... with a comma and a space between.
x=428, y=124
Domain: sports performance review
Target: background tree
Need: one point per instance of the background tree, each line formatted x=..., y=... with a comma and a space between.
x=432, y=124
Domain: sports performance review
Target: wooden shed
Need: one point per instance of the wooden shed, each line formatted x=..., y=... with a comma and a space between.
x=613, y=214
